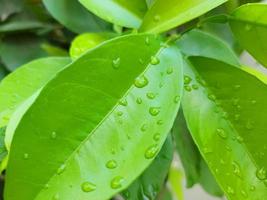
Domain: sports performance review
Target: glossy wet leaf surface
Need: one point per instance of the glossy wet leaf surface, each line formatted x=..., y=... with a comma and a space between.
x=226, y=117
x=82, y=152
x=121, y=12
x=167, y=14
x=75, y=17
x=249, y=25
x=24, y=82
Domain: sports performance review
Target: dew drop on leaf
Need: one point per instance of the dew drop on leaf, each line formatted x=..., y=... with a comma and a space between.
x=141, y=82
x=176, y=99
x=156, y=137
x=195, y=86
x=61, y=169
x=119, y=113
x=53, y=135
x=252, y=188
x=151, y=152
x=116, y=182
x=147, y=41
x=56, y=197
x=244, y=193
x=116, y=63
x=26, y=156
x=139, y=100
x=160, y=122
x=261, y=174
x=150, y=95
x=187, y=79
x=111, y=164
x=211, y=97
x=154, y=111
x=230, y=190
x=187, y=88
x=123, y=102
x=154, y=60
x=144, y=127
x=237, y=170
x=170, y=70
x=220, y=132
x=88, y=187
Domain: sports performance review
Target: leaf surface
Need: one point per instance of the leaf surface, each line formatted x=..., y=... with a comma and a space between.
x=93, y=124
x=249, y=25
x=226, y=117
x=167, y=14
x=120, y=12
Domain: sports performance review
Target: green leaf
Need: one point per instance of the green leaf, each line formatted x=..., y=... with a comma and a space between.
x=87, y=41
x=150, y=183
x=196, y=169
x=120, y=12
x=226, y=117
x=167, y=14
x=24, y=82
x=3, y=150
x=94, y=108
x=200, y=43
x=176, y=182
x=74, y=16
x=249, y=25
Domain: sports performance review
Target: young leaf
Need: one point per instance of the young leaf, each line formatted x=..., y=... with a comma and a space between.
x=91, y=129
x=120, y=12
x=249, y=25
x=74, y=16
x=167, y=14
x=150, y=183
x=226, y=117
x=24, y=82
x=200, y=43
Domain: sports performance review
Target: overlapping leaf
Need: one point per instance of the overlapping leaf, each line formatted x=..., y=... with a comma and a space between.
x=91, y=131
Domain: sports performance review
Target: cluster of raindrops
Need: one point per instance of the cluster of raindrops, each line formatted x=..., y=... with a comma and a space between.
x=189, y=85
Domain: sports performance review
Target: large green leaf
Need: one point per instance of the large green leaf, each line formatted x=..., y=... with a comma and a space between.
x=91, y=129
x=121, y=12
x=74, y=16
x=196, y=169
x=150, y=183
x=167, y=14
x=249, y=25
x=200, y=43
x=24, y=82
x=226, y=117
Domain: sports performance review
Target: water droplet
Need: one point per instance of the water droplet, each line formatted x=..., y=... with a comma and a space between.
x=141, y=82
x=240, y=139
x=195, y=86
x=156, y=18
x=187, y=79
x=252, y=188
x=26, y=156
x=56, y=197
x=249, y=125
x=141, y=61
x=53, y=135
x=176, y=99
x=144, y=127
x=237, y=170
x=151, y=152
x=253, y=102
x=244, y=193
x=147, y=41
x=154, y=111
x=221, y=133
x=117, y=182
x=156, y=137
x=187, y=88
x=111, y=164
x=154, y=60
x=88, y=187
x=237, y=87
x=61, y=169
x=119, y=113
x=113, y=151
x=230, y=190
x=160, y=122
x=139, y=100
x=228, y=148
x=116, y=63
x=123, y=102
x=150, y=95
x=261, y=174
x=212, y=97
x=170, y=70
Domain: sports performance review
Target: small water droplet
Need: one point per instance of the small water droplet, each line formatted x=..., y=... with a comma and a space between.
x=187, y=79
x=221, y=133
x=116, y=63
x=150, y=95
x=240, y=139
x=237, y=87
x=154, y=111
x=230, y=190
x=237, y=170
x=154, y=60
x=261, y=174
x=141, y=61
x=139, y=100
x=187, y=88
x=123, y=102
x=116, y=182
x=156, y=137
x=119, y=113
x=244, y=193
x=144, y=127
x=212, y=97
x=111, y=164
x=170, y=70
x=156, y=18
x=151, y=152
x=88, y=187
x=159, y=122
x=176, y=99
x=195, y=86
x=26, y=156
x=141, y=82
x=249, y=125
x=252, y=188
x=253, y=102
x=53, y=135
x=56, y=197
x=61, y=169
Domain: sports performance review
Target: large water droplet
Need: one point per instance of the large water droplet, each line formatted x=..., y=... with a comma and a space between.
x=261, y=174
x=88, y=187
x=111, y=164
x=154, y=60
x=151, y=152
x=116, y=63
x=154, y=111
x=61, y=169
x=116, y=182
x=221, y=133
x=141, y=82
